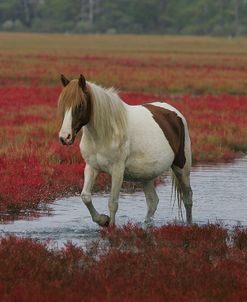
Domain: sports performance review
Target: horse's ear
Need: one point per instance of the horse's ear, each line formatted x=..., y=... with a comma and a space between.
x=64, y=81
x=82, y=82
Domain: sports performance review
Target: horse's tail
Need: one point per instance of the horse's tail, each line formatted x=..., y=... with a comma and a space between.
x=177, y=193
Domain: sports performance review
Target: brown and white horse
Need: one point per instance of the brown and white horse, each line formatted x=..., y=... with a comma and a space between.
x=136, y=143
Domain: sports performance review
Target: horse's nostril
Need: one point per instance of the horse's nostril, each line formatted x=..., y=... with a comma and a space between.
x=69, y=136
x=62, y=140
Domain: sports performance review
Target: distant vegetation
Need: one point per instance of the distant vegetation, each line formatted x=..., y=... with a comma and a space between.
x=187, y=17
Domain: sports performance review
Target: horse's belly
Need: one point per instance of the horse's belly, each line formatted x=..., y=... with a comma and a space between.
x=149, y=162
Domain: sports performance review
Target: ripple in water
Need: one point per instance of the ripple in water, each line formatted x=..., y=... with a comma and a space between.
x=219, y=196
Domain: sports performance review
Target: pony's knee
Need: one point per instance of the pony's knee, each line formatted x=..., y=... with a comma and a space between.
x=86, y=197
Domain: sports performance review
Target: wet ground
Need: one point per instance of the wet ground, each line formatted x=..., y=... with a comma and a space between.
x=220, y=195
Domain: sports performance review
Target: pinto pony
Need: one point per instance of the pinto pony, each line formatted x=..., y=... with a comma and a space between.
x=136, y=143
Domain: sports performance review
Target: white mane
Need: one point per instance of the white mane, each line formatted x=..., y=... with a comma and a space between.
x=109, y=117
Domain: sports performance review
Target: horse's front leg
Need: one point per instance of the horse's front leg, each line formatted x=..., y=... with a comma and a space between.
x=90, y=175
x=117, y=180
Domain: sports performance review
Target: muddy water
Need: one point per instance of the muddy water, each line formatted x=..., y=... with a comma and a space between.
x=220, y=195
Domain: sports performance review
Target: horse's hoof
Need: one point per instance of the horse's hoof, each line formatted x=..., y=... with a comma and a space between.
x=104, y=220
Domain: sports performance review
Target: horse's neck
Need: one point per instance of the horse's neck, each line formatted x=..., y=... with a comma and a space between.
x=90, y=131
x=92, y=136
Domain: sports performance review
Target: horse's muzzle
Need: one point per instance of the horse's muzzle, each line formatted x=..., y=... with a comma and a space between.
x=66, y=141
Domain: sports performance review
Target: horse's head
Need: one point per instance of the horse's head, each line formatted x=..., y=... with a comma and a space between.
x=74, y=106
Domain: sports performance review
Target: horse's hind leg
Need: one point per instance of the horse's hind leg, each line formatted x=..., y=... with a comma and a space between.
x=183, y=185
x=151, y=199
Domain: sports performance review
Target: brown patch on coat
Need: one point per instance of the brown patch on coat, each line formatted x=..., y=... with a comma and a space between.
x=173, y=128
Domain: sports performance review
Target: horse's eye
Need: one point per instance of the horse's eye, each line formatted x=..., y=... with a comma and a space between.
x=80, y=106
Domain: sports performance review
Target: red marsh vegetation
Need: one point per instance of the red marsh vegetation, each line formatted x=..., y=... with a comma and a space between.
x=171, y=263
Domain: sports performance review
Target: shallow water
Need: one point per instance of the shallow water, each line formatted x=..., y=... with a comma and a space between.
x=219, y=196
